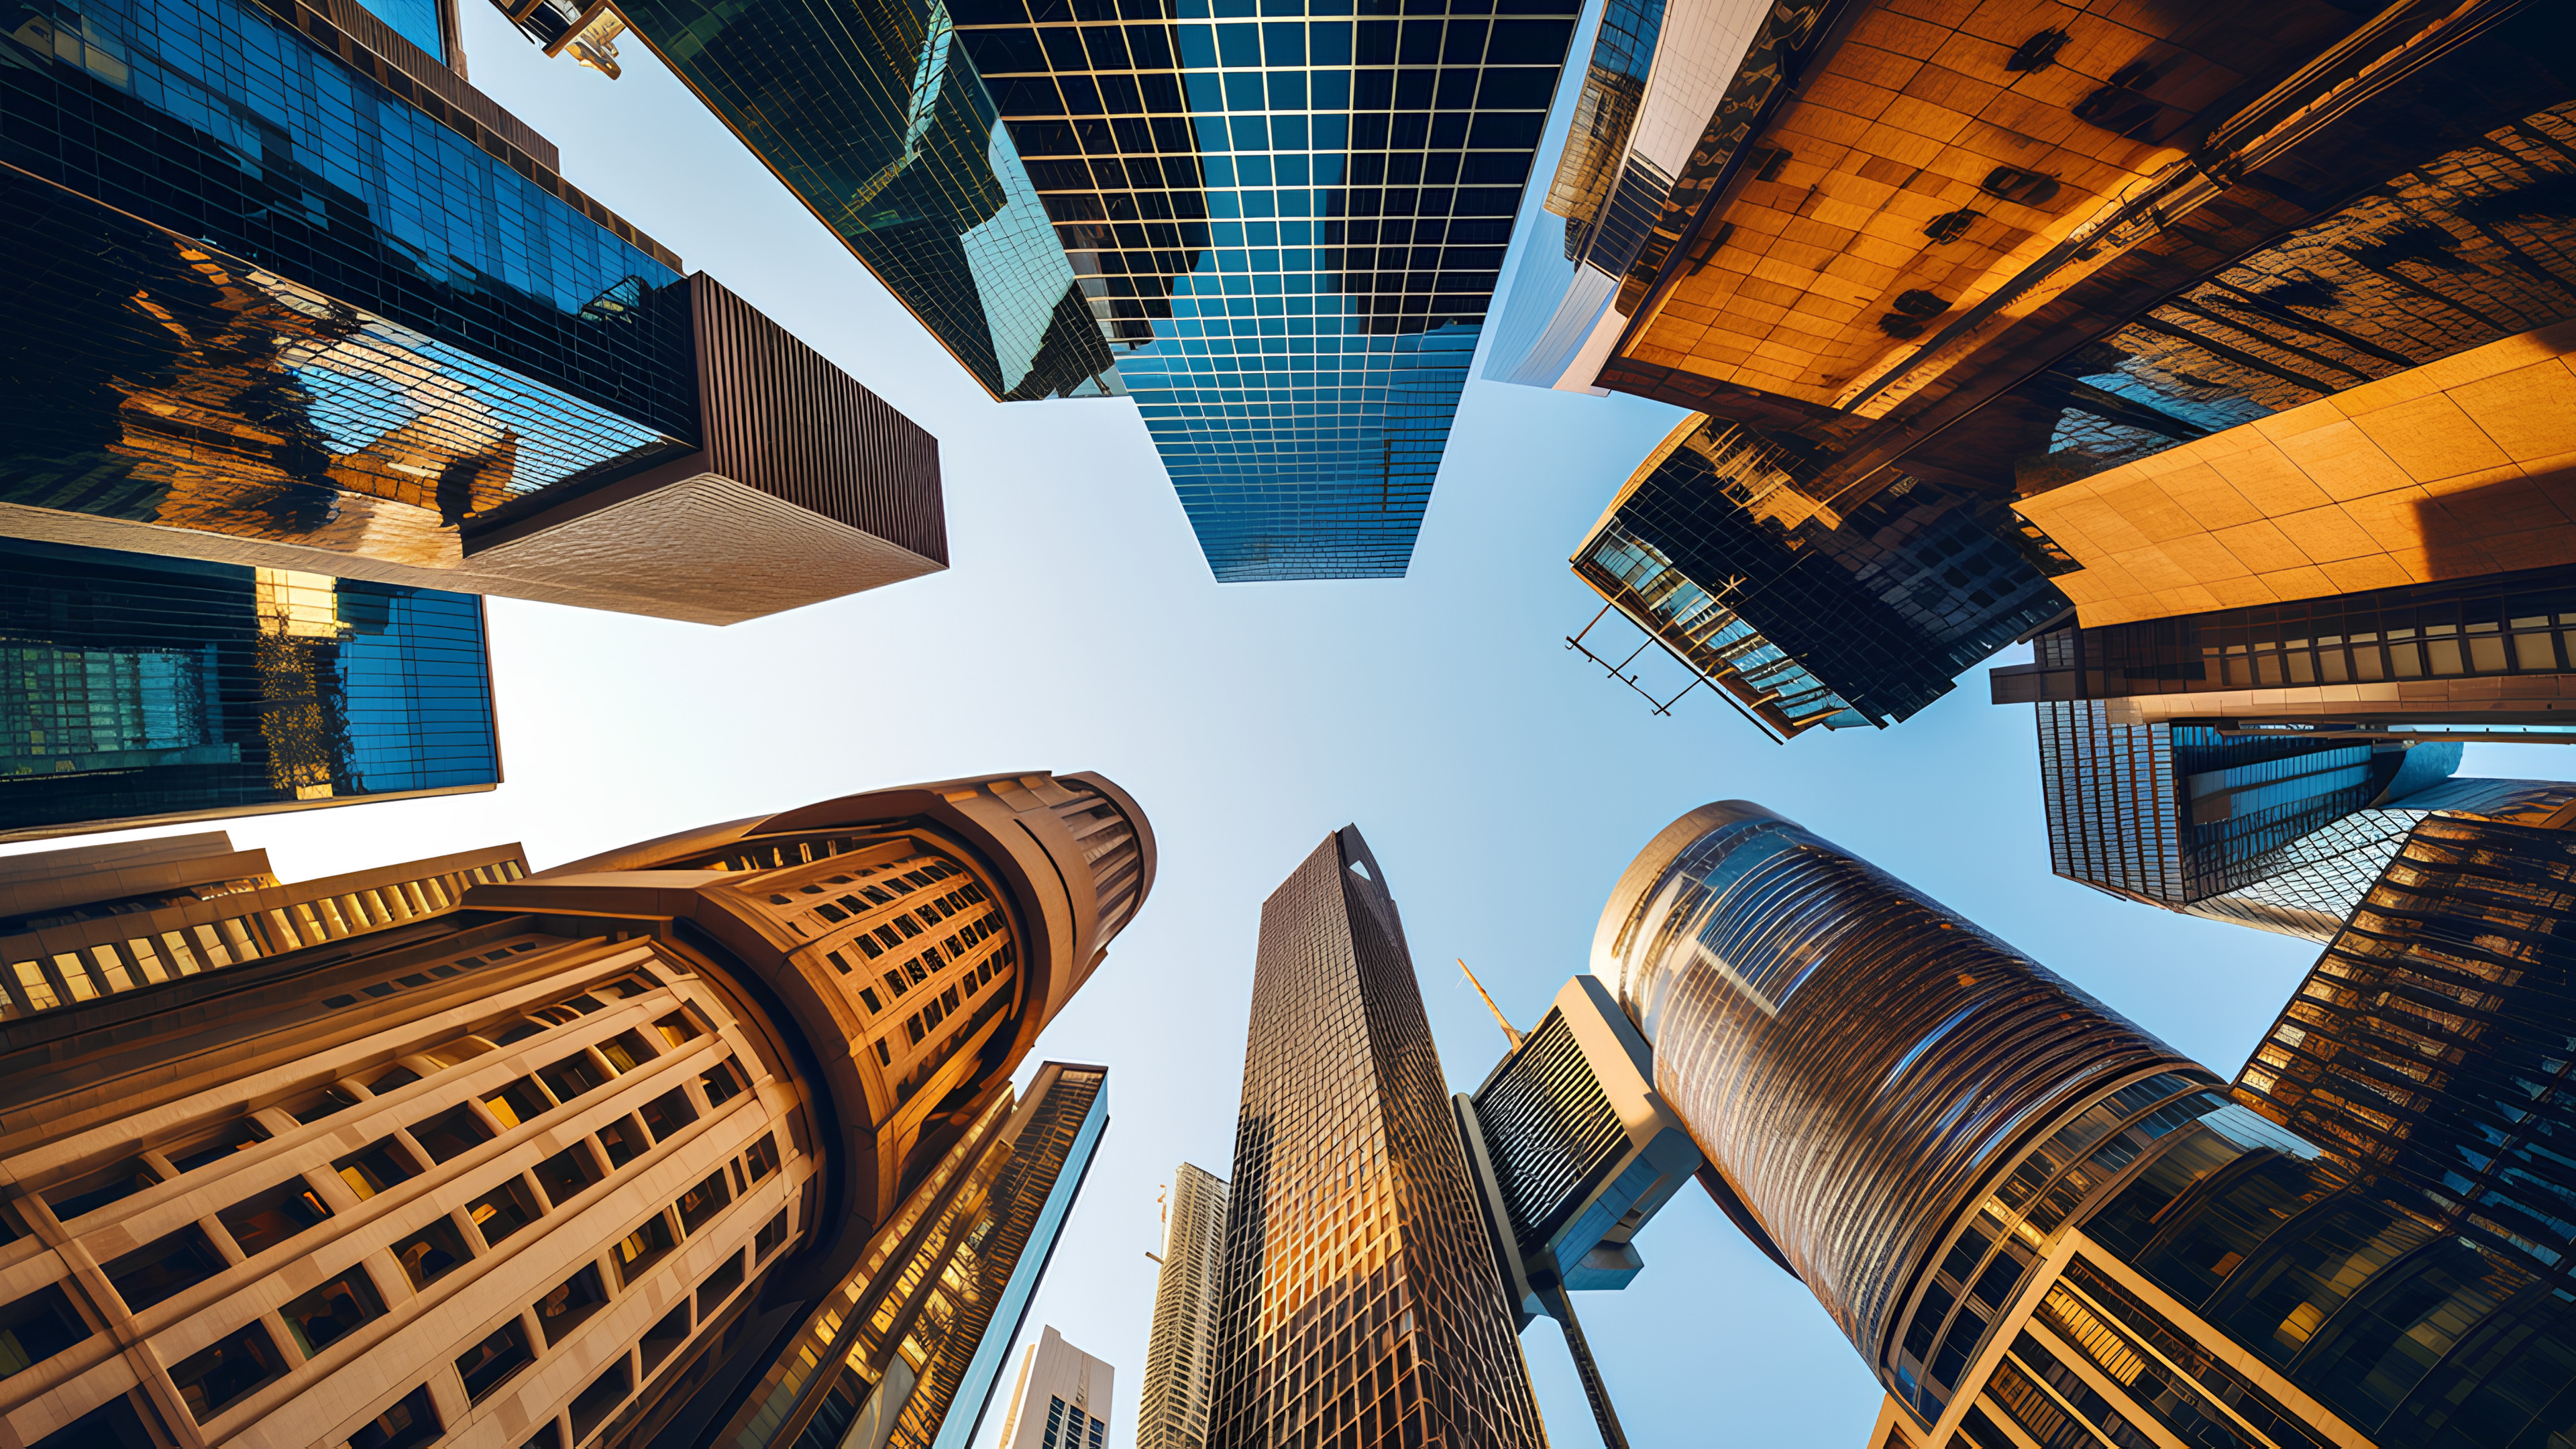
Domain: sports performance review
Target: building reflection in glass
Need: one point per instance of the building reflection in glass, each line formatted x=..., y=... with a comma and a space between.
x=139, y=689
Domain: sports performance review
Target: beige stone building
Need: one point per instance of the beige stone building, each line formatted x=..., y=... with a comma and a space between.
x=453, y=1153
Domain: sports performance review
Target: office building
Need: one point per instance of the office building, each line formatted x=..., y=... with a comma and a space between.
x=452, y=1150
x=2279, y=832
x=1061, y=1400
x=1360, y=1302
x=1279, y=234
x=2065, y=273
x=1180, y=1356
x=337, y=313
x=2025, y=1211
x=139, y=690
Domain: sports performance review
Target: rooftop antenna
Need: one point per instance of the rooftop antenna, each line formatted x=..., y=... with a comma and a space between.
x=1514, y=1036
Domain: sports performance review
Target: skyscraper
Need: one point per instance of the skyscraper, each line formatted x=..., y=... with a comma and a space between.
x=1279, y=232
x=1061, y=1400
x=1360, y=1301
x=2025, y=1211
x=2279, y=832
x=450, y=1149
x=374, y=334
x=137, y=690
x=1180, y=1357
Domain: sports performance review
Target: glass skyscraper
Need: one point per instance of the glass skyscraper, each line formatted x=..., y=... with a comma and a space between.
x=1278, y=225
x=1360, y=1302
x=137, y=690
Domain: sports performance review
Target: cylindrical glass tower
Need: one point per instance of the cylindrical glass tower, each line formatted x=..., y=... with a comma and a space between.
x=1863, y=1066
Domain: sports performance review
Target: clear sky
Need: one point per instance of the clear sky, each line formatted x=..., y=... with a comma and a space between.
x=1502, y=782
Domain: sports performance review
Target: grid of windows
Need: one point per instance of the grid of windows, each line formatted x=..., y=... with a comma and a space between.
x=1360, y=1304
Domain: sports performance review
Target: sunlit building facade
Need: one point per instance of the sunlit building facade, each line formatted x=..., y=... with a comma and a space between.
x=139, y=690
x=1061, y=1399
x=1180, y=1353
x=1359, y=1300
x=2039, y=1225
x=453, y=1152
x=335, y=311
x=1279, y=232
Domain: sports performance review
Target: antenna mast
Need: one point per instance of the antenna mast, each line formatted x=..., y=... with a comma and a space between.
x=1508, y=1032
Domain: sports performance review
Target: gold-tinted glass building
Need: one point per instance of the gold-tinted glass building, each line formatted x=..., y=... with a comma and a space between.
x=1180, y=1355
x=451, y=1152
x=1360, y=1302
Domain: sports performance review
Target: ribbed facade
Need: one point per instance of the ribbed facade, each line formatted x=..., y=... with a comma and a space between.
x=1861, y=1065
x=1550, y=1129
x=1180, y=1362
x=1360, y=1303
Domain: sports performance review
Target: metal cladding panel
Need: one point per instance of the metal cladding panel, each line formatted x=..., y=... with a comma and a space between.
x=1859, y=1063
x=780, y=417
x=1551, y=1130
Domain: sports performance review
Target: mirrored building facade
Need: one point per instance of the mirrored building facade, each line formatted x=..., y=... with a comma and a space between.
x=299, y=297
x=137, y=690
x=1279, y=229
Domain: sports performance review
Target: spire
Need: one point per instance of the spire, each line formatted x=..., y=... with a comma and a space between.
x=1514, y=1036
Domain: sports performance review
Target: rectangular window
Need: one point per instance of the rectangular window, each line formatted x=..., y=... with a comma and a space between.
x=637, y=1252
x=41, y=1324
x=625, y=1141
x=772, y=1235
x=428, y=1255
x=489, y=1364
x=885, y=1055
x=216, y=1377
x=377, y=1166
x=592, y=1406
x=504, y=1210
x=676, y=1029
x=520, y=1101
x=96, y=1190
x=763, y=1156
x=719, y=1286
x=321, y=1317
x=626, y=1051
x=722, y=1082
x=451, y=1134
x=206, y=1151
x=264, y=1220
x=572, y=1076
x=573, y=1300
x=948, y=998
x=894, y=982
x=568, y=1173
x=668, y=1113
x=912, y=1028
x=867, y=945
x=699, y=1205
x=868, y=997
x=666, y=1334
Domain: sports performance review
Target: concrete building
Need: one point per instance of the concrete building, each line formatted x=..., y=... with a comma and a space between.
x=376, y=334
x=621, y=1152
x=1061, y=1400
x=1360, y=1298
x=1180, y=1356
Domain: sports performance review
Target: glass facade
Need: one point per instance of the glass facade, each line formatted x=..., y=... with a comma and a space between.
x=1806, y=615
x=310, y=306
x=1785, y=984
x=135, y=688
x=1278, y=226
x=1359, y=1299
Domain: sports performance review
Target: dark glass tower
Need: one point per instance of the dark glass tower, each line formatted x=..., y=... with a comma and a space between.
x=1359, y=1302
x=331, y=309
x=2279, y=832
x=137, y=690
x=1279, y=229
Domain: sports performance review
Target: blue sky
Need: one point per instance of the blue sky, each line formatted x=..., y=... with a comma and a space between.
x=1502, y=782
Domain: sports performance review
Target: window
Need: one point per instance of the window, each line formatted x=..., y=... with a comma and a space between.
x=36, y=1327
x=427, y=1255
x=719, y=1286
x=637, y=1252
x=592, y=1406
x=912, y=1028
x=668, y=1113
x=208, y=1150
x=722, y=1083
x=264, y=1220
x=323, y=1316
x=489, y=1364
x=214, y=1378
x=948, y=998
x=772, y=1234
x=699, y=1205
x=413, y=1421
x=88, y=1194
x=573, y=1300
x=458, y=1052
x=572, y=1076
x=885, y=1057
x=763, y=1156
x=451, y=1134
x=165, y=1268
x=393, y=1081
x=894, y=982
x=626, y=1051
x=503, y=1211
x=625, y=1141
x=668, y=1333
x=321, y=1105
x=567, y=1173
x=868, y=995
x=520, y=1101
x=377, y=1166
x=517, y=1030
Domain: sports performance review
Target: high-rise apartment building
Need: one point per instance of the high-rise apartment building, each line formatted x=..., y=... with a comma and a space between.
x=2039, y=1225
x=1061, y=1400
x=2059, y=269
x=337, y=312
x=1279, y=231
x=1180, y=1355
x=452, y=1152
x=1360, y=1301
x=139, y=690
x=2279, y=832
